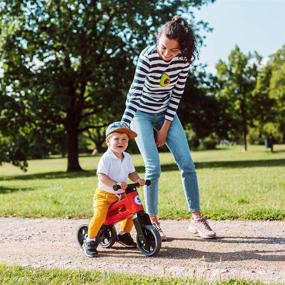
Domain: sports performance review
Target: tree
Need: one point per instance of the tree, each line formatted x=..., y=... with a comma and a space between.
x=237, y=81
x=263, y=111
x=71, y=60
x=277, y=88
x=198, y=108
x=13, y=142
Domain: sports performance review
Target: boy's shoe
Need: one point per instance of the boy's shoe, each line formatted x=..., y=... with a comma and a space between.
x=202, y=228
x=156, y=224
x=126, y=240
x=90, y=248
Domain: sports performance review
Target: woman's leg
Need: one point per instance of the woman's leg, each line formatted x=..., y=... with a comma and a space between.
x=142, y=124
x=178, y=145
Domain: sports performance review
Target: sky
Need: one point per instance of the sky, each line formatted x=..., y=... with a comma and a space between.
x=253, y=25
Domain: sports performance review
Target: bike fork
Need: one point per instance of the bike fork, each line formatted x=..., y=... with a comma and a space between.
x=140, y=221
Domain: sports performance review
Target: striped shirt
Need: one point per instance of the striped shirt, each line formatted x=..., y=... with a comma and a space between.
x=158, y=85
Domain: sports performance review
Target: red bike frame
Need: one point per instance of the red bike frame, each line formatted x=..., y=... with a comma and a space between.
x=126, y=207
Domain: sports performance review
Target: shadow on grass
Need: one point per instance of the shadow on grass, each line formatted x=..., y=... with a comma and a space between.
x=7, y=190
x=164, y=167
x=241, y=163
x=50, y=175
x=224, y=164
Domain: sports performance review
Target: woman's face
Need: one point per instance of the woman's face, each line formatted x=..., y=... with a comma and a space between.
x=167, y=48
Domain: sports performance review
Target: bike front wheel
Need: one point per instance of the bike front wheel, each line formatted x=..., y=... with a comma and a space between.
x=152, y=243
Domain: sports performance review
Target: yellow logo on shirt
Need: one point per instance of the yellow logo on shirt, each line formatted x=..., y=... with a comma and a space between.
x=164, y=79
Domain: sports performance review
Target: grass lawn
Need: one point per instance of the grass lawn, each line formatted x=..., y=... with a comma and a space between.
x=11, y=275
x=233, y=185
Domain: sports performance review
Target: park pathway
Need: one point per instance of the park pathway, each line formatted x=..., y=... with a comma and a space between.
x=243, y=249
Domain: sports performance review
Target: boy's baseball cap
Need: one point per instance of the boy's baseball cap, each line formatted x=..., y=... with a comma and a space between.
x=120, y=127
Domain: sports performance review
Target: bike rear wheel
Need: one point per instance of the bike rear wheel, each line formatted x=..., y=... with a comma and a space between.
x=107, y=236
x=152, y=243
x=82, y=234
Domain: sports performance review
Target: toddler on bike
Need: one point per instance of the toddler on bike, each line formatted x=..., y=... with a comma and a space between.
x=114, y=168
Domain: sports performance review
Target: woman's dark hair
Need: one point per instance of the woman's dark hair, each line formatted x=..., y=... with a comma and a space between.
x=178, y=29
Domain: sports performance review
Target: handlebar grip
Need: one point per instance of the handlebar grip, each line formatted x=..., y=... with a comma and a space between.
x=117, y=187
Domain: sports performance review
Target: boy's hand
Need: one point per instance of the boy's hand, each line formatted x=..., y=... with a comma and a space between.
x=141, y=182
x=122, y=185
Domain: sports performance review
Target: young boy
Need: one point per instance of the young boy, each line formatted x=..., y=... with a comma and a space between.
x=115, y=167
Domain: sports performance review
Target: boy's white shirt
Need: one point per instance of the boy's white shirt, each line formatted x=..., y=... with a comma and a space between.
x=117, y=169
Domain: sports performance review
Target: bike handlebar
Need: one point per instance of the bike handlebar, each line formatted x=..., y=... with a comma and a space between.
x=117, y=187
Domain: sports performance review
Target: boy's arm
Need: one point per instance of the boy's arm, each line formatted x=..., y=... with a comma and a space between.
x=110, y=182
x=136, y=178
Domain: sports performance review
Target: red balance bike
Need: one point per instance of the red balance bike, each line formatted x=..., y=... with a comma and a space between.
x=148, y=237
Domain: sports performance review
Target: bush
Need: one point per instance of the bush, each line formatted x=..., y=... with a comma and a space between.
x=209, y=143
x=194, y=142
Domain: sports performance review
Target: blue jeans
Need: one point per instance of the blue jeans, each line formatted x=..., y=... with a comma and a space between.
x=145, y=124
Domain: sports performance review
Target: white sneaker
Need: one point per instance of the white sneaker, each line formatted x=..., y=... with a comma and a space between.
x=202, y=228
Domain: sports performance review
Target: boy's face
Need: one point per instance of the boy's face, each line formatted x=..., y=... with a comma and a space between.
x=118, y=142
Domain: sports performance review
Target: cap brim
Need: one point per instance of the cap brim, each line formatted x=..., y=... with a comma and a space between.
x=131, y=134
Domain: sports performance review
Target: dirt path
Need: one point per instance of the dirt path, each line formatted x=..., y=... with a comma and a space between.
x=251, y=250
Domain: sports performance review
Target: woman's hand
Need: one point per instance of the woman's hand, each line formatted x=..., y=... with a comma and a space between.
x=161, y=135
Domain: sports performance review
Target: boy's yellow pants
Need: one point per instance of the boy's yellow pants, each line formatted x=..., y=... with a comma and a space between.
x=102, y=202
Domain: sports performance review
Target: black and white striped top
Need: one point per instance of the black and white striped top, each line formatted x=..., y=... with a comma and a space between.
x=157, y=86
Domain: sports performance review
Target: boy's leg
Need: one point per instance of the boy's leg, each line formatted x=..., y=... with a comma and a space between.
x=102, y=201
x=126, y=225
x=124, y=236
x=101, y=206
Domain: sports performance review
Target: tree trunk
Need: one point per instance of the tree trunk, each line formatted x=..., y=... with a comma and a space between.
x=72, y=143
x=244, y=124
x=99, y=146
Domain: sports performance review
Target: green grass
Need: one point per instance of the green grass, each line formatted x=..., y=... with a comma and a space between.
x=16, y=275
x=233, y=185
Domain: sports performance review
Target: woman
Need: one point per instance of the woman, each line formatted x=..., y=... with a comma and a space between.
x=151, y=106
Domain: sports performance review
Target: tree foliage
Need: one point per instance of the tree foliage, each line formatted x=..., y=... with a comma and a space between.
x=71, y=62
x=198, y=107
x=237, y=80
x=277, y=88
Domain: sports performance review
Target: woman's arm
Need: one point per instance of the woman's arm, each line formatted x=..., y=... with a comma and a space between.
x=173, y=104
x=177, y=93
x=136, y=88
